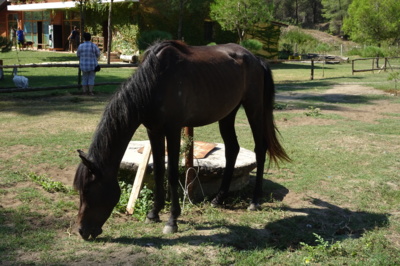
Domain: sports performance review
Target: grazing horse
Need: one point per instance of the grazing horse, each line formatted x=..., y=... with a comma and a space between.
x=177, y=86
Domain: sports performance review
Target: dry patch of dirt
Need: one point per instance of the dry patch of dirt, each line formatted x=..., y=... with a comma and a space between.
x=338, y=94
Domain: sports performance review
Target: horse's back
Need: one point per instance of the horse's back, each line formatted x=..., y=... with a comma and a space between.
x=203, y=84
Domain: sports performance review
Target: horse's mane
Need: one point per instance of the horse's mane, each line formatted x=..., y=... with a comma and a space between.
x=130, y=101
x=126, y=107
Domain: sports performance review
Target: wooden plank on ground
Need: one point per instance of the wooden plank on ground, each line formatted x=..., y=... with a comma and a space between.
x=137, y=184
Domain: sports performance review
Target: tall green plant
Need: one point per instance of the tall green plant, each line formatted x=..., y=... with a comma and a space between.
x=240, y=16
x=296, y=41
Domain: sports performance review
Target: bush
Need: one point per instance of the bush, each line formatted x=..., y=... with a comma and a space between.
x=372, y=51
x=148, y=38
x=125, y=39
x=295, y=37
x=252, y=45
x=5, y=44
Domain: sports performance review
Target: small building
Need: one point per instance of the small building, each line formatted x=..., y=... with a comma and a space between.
x=47, y=23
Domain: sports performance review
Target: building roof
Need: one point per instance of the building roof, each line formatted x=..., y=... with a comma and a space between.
x=53, y=5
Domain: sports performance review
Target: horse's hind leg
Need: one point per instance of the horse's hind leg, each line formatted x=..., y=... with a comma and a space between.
x=256, y=121
x=228, y=133
x=173, y=146
x=158, y=150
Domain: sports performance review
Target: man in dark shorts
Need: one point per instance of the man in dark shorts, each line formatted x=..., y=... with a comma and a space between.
x=73, y=39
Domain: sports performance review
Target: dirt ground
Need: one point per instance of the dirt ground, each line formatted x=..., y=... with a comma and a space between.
x=339, y=94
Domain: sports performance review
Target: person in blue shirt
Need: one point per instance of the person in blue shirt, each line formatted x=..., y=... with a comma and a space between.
x=20, y=38
x=88, y=53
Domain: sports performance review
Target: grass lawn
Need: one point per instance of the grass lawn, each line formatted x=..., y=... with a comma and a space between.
x=337, y=203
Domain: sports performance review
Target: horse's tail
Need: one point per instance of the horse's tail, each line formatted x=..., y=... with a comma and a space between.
x=275, y=151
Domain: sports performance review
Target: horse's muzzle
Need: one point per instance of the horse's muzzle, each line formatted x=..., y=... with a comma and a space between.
x=93, y=232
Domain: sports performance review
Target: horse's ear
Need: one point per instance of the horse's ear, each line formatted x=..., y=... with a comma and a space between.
x=86, y=161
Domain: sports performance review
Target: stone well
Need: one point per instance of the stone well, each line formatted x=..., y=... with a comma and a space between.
x=210, y=167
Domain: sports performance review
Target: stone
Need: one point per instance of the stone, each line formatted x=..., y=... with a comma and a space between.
x=210, y=169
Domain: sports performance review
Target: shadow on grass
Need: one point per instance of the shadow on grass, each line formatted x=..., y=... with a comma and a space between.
x=44, y=102
x=329, y=221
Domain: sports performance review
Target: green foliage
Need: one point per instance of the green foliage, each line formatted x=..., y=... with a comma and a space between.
x=240, y=16
x=48, y=184
x=367, y=51
x=373, y=21
x=148, y=38
x=126, y=189
x=5, y=44
x=143, y=204
x=125, y=39
x=252, y=45
x=394, y=76
x=322, y=250
x=295, y=41
x=313, y=111
x=323, y=48
x=335, y=11
x=372, y=51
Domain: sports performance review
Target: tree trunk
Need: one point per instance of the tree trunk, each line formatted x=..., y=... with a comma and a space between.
x=109, y=32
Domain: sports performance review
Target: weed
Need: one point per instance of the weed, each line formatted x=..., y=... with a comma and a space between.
x=396, y=77
x=126, y=189
x=142, y=205
x=48, y=184
x=321, y=250
x=280, y=106
x=313, y=111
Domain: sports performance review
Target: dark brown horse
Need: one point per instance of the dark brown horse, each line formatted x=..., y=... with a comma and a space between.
x=177, y=86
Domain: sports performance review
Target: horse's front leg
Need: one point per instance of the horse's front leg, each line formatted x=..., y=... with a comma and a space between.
x=173, y=146
x=158, y=150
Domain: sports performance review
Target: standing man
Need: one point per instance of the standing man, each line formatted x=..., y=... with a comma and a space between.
x=88, y=53
x=20, y=38
x=73, y=39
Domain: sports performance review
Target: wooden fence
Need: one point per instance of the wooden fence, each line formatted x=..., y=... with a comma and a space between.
x=77, y=85
x=377, y=64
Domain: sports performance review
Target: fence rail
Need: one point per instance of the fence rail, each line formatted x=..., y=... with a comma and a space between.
x=58, y=65
x=375, y=64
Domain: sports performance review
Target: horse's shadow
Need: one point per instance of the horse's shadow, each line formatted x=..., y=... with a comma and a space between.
x=285, y=229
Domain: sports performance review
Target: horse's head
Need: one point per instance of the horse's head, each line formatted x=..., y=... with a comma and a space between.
x=99, y=193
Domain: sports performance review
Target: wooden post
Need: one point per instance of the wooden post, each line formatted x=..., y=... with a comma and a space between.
x=137, y=184
x=312, y=69
x=1, y=71
x=188, y=132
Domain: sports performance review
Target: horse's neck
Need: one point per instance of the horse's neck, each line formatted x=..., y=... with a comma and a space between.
x=109, y=147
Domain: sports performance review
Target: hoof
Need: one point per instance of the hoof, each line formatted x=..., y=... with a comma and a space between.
x=216, y=203
x=254, y=207
x=170, y=229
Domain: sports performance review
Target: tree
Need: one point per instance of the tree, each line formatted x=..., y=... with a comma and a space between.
x=335, y=11
x=373, y=21
x=298, y=12
x=240, y=15
x=181, y=9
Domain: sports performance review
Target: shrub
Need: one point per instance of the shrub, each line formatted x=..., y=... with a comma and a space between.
x=147, y=38
x=372, y=51
x=5, y=44
x=125, y=39
x=252, y=45
x=295, y=38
